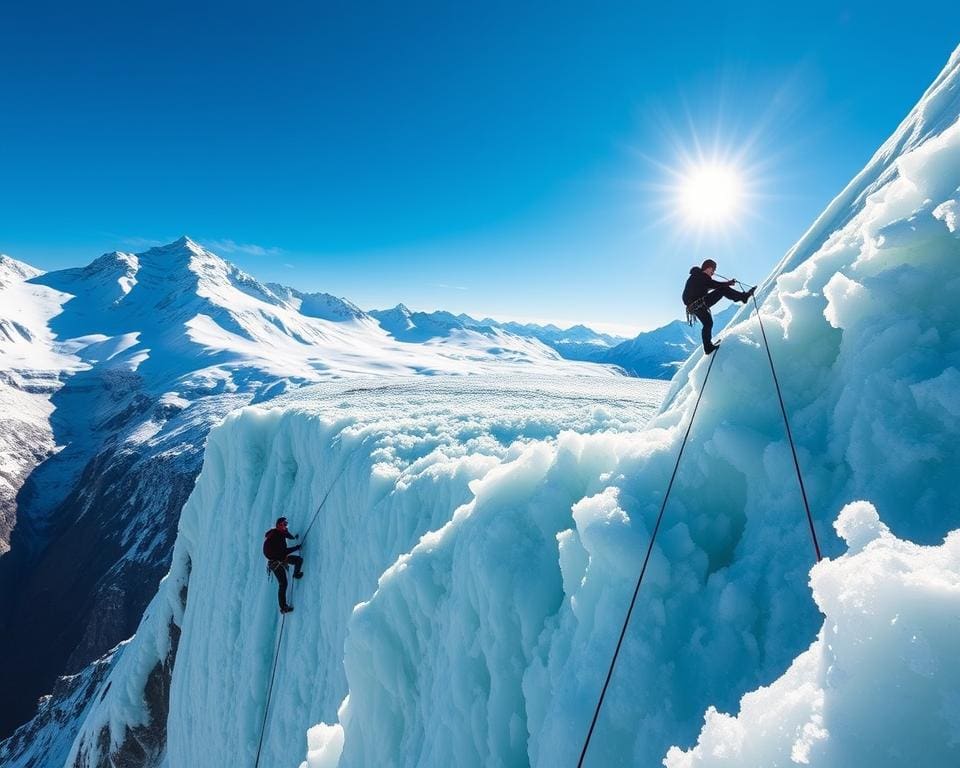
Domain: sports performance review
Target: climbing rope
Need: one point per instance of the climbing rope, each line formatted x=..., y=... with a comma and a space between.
x=786, y=423
x=273, y=675
x=643, y=569
x=283, y=618
x=656, y=528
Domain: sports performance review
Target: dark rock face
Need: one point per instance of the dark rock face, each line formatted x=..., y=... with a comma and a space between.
x=83, y=593
x=46, y=739
x=144, y=745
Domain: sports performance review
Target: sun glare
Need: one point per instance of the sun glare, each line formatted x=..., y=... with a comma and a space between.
x=710, y=194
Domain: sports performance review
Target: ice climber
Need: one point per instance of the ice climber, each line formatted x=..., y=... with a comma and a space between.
x=701, y=292
x=279, y=556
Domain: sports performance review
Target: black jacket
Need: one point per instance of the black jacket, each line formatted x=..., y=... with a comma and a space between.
x=699, y=284
x=274, y=546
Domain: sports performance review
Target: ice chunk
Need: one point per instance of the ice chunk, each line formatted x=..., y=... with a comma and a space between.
x=878, y=686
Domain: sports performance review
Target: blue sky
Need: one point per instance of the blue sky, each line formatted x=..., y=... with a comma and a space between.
x=504, y=159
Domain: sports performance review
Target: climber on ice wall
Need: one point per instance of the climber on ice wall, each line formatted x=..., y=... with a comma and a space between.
x=279, y=556
x=701, y=292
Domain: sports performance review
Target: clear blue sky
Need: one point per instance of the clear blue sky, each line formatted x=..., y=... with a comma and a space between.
x=496, y=158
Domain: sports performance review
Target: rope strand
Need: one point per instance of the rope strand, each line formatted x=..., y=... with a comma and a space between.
x=786, y=423
x=283, y=619
x=643, y=569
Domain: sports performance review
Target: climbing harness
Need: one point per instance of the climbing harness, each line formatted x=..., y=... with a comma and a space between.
x=695, y=306
x=283, y=618
x=663, y=506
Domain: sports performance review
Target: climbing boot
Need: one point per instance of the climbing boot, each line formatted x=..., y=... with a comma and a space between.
x=748, y=295
x=286, y=609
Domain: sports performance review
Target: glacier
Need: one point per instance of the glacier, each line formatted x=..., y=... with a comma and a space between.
x=468, y=575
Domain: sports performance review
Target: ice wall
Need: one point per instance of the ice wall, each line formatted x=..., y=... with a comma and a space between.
x=400, y=457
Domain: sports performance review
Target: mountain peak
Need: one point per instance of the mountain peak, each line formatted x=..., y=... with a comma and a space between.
x=13, y=270
x=182, y=245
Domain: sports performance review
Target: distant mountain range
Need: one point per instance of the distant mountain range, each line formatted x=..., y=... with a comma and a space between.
x=654, y=354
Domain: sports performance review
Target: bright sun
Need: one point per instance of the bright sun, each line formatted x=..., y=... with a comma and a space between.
x=710, y=194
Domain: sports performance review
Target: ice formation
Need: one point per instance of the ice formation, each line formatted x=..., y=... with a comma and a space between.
x=490, y=557
x=880, y=686
x=400, y=457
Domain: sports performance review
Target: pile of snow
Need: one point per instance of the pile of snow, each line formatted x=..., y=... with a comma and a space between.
x=880, y=686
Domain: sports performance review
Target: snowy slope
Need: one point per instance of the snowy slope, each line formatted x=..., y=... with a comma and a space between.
x=487, y=635
x=113, y=374
x=30, y=369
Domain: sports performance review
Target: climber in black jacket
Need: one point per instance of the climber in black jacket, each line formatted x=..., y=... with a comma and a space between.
x=701, y=292
x=278, y=556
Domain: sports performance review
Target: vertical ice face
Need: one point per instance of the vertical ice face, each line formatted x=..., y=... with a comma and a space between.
x=401, y=457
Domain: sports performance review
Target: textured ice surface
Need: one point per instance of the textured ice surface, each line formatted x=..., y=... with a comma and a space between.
x=879, y=687
x=401, y=457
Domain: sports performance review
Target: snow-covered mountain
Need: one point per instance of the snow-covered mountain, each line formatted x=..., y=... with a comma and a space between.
x=575, y=343
x=654, y=354
x=30, y=373
x=321, y=305
x=468, y=575
x=657, y=354
x=111, y=375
